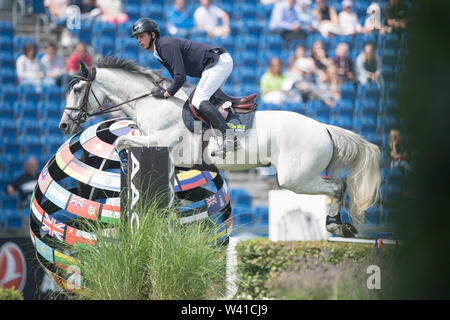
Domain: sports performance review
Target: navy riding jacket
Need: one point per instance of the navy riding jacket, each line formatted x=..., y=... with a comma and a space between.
x=184, y=57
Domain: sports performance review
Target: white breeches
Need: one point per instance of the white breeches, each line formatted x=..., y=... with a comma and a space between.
x=212, y=79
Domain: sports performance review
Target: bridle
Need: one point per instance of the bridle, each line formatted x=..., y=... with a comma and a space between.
x=84, y=114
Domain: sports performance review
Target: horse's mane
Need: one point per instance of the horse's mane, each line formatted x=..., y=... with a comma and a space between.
x=133, y=67
x=127, y=65
x=130, y=66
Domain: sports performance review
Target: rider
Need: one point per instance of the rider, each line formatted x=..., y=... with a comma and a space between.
x=183, y=57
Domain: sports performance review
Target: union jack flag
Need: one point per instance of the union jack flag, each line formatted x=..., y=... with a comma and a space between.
x=78, y=201
x=45, y=179
x=53, y=227
x=211, y=200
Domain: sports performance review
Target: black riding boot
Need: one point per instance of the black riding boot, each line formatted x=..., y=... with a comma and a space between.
x=210, y=111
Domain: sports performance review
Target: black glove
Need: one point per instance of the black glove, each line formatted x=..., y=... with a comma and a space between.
x=158, y=92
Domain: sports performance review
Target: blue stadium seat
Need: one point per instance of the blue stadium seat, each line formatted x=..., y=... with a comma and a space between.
x=133, y=10
x=395, y=177
x=9, y=95
x=50, y=108
x=8, y=76
x=6, y=110
x=11, y=151
x=8, y=132
x=24, y=89
x=124, y=29
x=388, y=57
x=261, y=214
x=342, y=121
x=9, y=202
x=252, y=27
x=19, y=41
x=388, y=73
x=32, y=148
x=240, y=197
x=391, y=41
x=386, y=216
x=390, y=193
x=263, y=12
x=344, y=107
x=346, y=39
x=103, y=45
x=367, y=107
x=348, y=91
x=104, y=29
x=5, y=177
x=6, y=28
x=372, y=216
x=361, y=39
x=297, y=107
x=365, y=123
x=385, y=124
x=13, y=219
x=124, y=42
x=26, y=109
x=32, y=98
x=372, y=137
x=271, y=42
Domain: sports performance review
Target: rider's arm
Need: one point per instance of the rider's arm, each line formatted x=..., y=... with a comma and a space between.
x=173, y=57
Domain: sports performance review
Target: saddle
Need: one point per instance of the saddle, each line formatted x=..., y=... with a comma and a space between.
x=225, y=104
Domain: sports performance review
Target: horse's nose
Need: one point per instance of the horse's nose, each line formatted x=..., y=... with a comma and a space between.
x=63, y=126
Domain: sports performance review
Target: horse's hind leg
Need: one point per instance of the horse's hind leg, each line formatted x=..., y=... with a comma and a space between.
x=334, y=188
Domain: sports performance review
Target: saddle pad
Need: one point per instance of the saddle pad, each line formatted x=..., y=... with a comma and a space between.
x=240, y=122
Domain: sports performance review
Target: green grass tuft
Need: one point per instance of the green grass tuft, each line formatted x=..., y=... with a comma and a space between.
x=158, y=259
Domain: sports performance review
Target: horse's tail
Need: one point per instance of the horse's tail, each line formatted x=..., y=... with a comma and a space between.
x=362, y=160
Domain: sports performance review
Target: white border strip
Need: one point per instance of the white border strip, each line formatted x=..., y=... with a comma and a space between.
x=369, y=241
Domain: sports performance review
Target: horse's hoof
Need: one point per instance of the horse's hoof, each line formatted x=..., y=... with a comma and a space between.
x=346, y=230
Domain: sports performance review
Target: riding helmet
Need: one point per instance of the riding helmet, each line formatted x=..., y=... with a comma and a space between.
x=145, y=25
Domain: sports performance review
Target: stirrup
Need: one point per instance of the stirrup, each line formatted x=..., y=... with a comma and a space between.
x=228, y=144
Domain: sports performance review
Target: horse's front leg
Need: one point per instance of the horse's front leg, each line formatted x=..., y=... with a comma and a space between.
x=124, y=142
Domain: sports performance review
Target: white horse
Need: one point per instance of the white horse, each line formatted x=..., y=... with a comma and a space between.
x=299, y=147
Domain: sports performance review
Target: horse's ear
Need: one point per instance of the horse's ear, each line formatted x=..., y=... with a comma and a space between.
x=83, y=69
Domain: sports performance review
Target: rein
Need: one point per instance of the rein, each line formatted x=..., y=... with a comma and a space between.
x=103, y=110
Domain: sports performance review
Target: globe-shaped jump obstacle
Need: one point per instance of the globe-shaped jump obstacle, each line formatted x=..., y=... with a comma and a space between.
x=82, y=182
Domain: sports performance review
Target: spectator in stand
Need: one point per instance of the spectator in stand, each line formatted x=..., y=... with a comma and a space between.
x=271, y=83
x=396, y=150
x=57, y=10
x=207, y=16
x=88, y=8
x=25, y=183
x=396, y=15
x=348, y=20
x=111, y=11
x=299, y=58
x=343, y=63
x=285, y=20
x=373, y=20
x=73, y=61
x=308, y=22
x=326, y=17
x=180, y=20
x=300, y=78
x=368, y=66
x=325, y=69
x=29, y=69
x=53, y=65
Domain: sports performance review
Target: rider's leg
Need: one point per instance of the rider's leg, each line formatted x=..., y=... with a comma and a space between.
x=212, y=79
